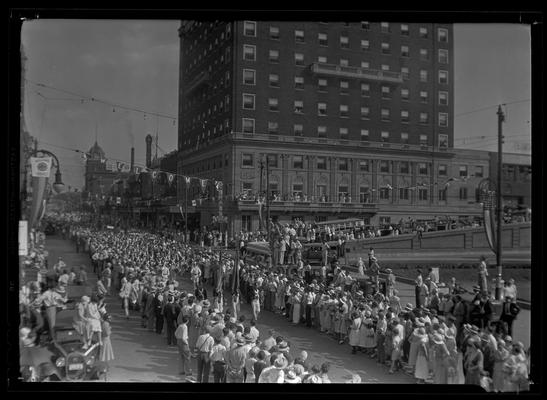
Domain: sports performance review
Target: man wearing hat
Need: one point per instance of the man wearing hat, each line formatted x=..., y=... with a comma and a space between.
x=203, y=348
x=235, y=360
x=51, y=299
x=274, y=373
x=509, y=312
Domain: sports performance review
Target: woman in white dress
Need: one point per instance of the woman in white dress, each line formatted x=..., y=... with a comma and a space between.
x=94, y=325
x=80, y=321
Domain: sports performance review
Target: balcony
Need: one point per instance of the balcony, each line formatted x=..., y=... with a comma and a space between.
x=356, y=73
x=200, y=79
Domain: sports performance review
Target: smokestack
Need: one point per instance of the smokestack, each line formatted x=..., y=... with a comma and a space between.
x=132, y=158
x=148, y=150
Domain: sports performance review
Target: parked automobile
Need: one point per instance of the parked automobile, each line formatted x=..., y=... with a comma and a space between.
x=73, y=361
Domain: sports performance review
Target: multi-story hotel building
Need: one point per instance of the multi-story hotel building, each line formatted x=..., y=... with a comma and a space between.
x=340, y=119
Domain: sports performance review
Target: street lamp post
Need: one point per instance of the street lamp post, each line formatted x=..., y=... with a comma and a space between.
x=501, y=119
x=57, y=186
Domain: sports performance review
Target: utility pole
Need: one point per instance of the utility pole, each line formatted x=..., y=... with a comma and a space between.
x=187, y=238
x=260, y=192
x=268, y=198
x=501, y=119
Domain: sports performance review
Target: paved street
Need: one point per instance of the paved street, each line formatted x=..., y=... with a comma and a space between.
x=143, y=356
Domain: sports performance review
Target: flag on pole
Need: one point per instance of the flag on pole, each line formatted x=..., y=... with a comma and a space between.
x=490, y=228
x=220, y=275
x=235, y=274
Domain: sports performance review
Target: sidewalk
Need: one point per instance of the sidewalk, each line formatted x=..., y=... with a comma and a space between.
x=59, y=247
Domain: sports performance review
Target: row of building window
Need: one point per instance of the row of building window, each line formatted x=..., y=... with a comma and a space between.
x=384, y=166
x=249, y=78
x=273, y=105
x=250, y=30
x=365, y=193
x=274, y=57
x=249, y=54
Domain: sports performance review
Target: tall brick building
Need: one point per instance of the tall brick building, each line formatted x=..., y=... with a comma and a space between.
x=353, y=119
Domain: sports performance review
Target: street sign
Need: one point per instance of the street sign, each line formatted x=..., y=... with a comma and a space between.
x=23, y=238
x=40, y=166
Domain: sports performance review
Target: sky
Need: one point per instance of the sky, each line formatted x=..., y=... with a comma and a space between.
x=135, y=64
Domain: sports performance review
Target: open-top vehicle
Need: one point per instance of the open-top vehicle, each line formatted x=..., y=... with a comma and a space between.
x=73, y=361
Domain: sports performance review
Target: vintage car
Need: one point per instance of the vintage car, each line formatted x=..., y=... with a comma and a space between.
x=312, y=253
x=73, y=361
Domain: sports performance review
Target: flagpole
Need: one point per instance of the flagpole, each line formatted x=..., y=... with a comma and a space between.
x=187, y=237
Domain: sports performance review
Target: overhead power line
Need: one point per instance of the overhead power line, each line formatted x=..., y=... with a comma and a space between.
x=83, y=98
x=491, y=107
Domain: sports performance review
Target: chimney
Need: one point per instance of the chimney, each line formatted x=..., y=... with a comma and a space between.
x=132, y=158
x=148, y=150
